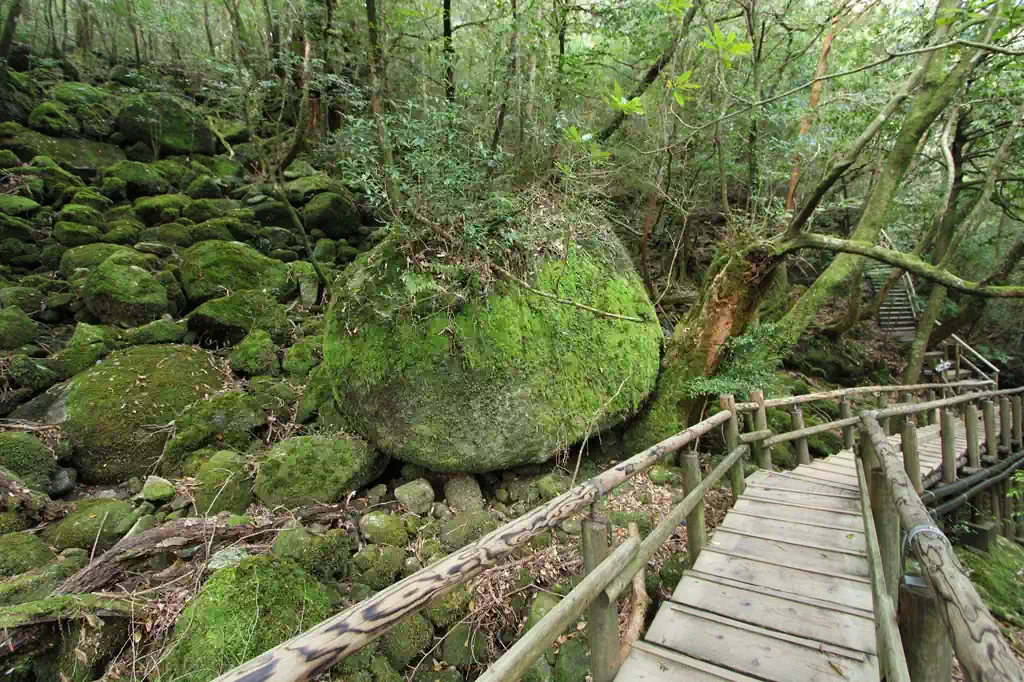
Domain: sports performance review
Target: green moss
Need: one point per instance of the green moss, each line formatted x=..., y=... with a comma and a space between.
x=21, y=552
x=406, y=639
x=16, y=328
x=328, y=556
x=171, y=233
x=88, y=257
x=80, y=156
x=12, y=521
x=240, y=613
x=516, y=372
x=465, y=527
x=53, y=118
x=204, y=187
x=29, y=373
x=334, y=213
x=90, y=199
x=40, y=582
x=172, y=123
x=462, y=647
x=378, y=565
x=229, y=319
x=74, y=94
x=141, y=180
x=451, y=609
x=303, y=356
x=112, y=408
x=381, y=528
x=212, y=268
x=73, y=234
x=8, y=159
x=91, y=520
x=162, y=209
x=228, y=420
x=311, y=469
x=29, y=299
x=14, y=205
x=223, y=485
x=84, y=215
x=121, y=292
x=158, y=331
x=999, y=577
x=203, y=209
x=256, y=355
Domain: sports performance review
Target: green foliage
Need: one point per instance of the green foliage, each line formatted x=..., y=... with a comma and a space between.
x=749, y=363
x=618, y=101
x=728, y=46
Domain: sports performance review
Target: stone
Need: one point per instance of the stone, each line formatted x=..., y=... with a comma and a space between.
x=229, y=557
x=417, y=496
x=140, y=179
x=381, y=528
x=29, y=299
x=466, y=527
x=75, y=234
x=335, y=214
x=302, y=357
x=83, y=158
x=40, y=582
x=94, y=521
x=62, y=482
x=174, y=124
x=311, y=469
x=212, y=269
x=28, y=373
x=16, y=328
x=463, y=493
x=463, y=648
x=227, y=420
x=88, y=257
x=53, y=118
x=378, y=565
x=228, y=320
x=25, y=456
x=223, y=485
x=573, y=661
x=120, y=291
x=256, y=355
x=165, y=208
x=158, y=490
x=21, y=207
x=21, y=552
x=406, y=639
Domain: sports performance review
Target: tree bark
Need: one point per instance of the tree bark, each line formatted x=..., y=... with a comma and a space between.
x=506, y=85
x=448, y=51
x=7, y=37
x=209, y=31
x=376, y=80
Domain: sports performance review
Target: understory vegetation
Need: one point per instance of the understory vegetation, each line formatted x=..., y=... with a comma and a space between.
x=298, y=297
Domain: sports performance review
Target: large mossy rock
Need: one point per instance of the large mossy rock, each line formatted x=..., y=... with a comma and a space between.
x=81, y=157
x=175, y=124
x=122, y=292
x=115, y=411
x=212, y=269
x=26, y=457
x=96, y=521
x=312, y=469
x=496, y=381
x=228, y=320
x=240, y=613
x=141, y=180
x=21, y=552
x=334, y=213
x=16, y=328
x=88, y=257
x=53, y=118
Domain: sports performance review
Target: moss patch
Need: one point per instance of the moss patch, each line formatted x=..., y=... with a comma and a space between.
x=227, y=320
x=21, y=552
x=214, y=268
x=223, y=485
x=92, y=519
x=121, y=292
x=26, y=457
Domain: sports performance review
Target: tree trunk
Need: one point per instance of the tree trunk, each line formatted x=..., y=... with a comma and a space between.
x=209, y=31
x=506, y=85
x=6, y=41
x=448, y=51
x=562, y=10
x=376, y=80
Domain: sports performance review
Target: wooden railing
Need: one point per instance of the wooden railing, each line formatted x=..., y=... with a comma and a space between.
x=608, y=576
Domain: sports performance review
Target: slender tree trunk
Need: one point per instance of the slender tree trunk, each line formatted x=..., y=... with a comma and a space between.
x=6, y=41
x=209, y=31
x=755, y=29
x=562, y=12
x=448, y=51
x=64, y=30
x=377, y=105
x=506, y=85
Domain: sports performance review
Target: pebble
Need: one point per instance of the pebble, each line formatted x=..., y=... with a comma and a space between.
x=62, y=482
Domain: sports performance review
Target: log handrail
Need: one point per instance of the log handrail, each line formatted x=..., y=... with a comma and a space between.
x=857, y=390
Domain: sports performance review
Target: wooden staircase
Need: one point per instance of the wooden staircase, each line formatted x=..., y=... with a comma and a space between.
x=896, y=316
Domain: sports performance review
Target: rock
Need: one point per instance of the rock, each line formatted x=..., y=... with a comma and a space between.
x=40, y=583
x=28, y=299
x=75, y=94
x=332, y=212
x=303, y=189
x=463, y=648
x=63, y=482
x=204, y=187
x=450, y=609
x=174, y=124
x=227, y=320
x=201, y=210
x=125, y=75
x=302, y=357
x=84, y=651
x=122, y=292
x=141, y=180
x=417, y=496
x=16, y=328
x=81, y=157
x=112, y=408
x=73, y=234
x=540, y=671
x=164, y=330
x=256, y=355
x=213, y=268
x=509, y=385
x=165, y=208
x=466, y=527
x=378, y=565
x=405, y=640
x=430, y=674
x=8, y=159
x=239, y=613
x=229, y=557
x=94, y=520
x=21, y=552
x=223, y=485
x=26, y=457
x=463, y=494
x=542, y=604
x=88, y=257
x=14, y=205
x=30, y=374
x=310, y=469
x=53, y=118
x=158, y=490
x=381, y=528
x=226, y=420
x=573, y=662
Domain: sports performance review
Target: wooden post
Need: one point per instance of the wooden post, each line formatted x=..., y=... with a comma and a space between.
x=602, y=619
x=883, y=403
x=973, y=445
x=867, y=453
x=1010, y=520
x=1005, y=436
x=732, y=441
x=948, y=433
x=796, y=416
x=1018, y=427
x=926, y=645
x=762, y=455
x=996, y=500
x=696, y=533
x=845, y=412
x=988, y=412
x=911, y=462
x=887, y=528
x=929, y=415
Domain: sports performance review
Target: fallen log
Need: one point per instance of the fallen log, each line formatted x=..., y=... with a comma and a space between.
x=29, y=623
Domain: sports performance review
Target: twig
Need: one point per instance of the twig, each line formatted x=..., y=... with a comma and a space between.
x=564, y=301
x=92, y=554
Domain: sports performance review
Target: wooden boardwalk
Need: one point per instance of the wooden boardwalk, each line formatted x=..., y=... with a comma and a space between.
x=782, y=590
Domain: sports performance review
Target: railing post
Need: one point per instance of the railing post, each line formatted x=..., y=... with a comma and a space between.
x=732, y=441
x=885, y=516
x=1010, y=522
x=867, y=453
x=883, y=403
x=796, y=420
x=929, y=415
x=762, y=455
x=988, y=412
x=845, y=412
x=696, y=533
x=947, y=434
x=1004, y=425
x=973, y=444
x=603, y=619
x=926, y=645
x=911, y=462
x=1018, y=427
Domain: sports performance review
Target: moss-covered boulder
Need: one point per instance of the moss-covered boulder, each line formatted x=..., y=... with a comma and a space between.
x=227, y=420
x=76, y=94
x=466, y=527
x=14, y=205
x=88, y=257
x=28, y=299
x=256, y=355
x=406, y=639
x=40, y=582
x=95, y=520
x=115, y=410
x=79, y=213
x=16, y=328
x=84, y=651
x=164, y=330
x=21, y=552
x=240, y=613
x=31, y=374
x=53, y=118
x=310, y=469
x=141, y=180
x=381, y=528
x=502, y=380
x=75, y=234
x=302, y=357
x=378, y=565
x=333, y=213
x=165, y=208
x=201, y=210
x=223, y=485
x=174, y=124
x=120, y=291
x=214, y=268
x=227, y=320
x=82, y=157
x=27, y=458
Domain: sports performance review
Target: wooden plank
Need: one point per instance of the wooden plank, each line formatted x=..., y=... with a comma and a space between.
x=650, y=663
x=850, y=541
x=795, y=497
x=838, y=589
x=845, y=467
x=787, y=480
x=774, y=612
x=808, y=473
x=754, y=651
x=779, y=512
x=786, y=554
x=782, y=594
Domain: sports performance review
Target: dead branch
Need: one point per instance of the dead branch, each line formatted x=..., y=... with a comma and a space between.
x=638, y=604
